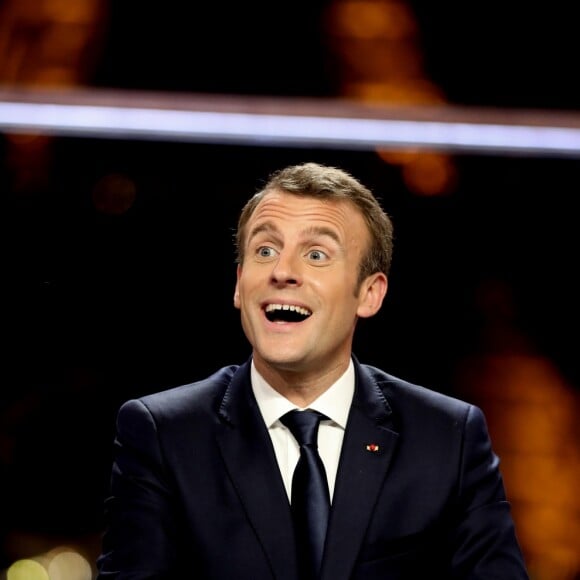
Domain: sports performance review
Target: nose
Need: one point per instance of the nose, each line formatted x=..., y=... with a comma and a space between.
x=287, y=270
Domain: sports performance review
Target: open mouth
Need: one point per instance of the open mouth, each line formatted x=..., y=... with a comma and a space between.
x=286, y=313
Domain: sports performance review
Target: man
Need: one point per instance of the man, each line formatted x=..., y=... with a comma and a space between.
x=202, y=483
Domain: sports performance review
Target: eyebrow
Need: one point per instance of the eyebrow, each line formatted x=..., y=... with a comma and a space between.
x=264, y=227
x=322, y=231
x=312, y=231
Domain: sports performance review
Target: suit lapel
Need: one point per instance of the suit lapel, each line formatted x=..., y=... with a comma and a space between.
x=367, y=451
x=251, y=463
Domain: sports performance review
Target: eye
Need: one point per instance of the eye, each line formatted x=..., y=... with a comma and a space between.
x=265, y=252
x=317, y=255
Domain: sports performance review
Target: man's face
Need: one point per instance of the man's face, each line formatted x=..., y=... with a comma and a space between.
x=296, y=286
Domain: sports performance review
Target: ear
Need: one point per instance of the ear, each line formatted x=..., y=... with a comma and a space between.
x=237, y=288
x=371, y=294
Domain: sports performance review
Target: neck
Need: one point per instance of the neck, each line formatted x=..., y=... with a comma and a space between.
x=300, y=386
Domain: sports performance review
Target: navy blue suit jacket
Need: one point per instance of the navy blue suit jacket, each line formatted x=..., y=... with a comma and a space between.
x=196, y=492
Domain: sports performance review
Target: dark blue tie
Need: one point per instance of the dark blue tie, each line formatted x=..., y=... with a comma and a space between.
x=310, y=501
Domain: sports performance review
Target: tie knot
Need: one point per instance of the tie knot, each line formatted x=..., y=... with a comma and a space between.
x=303, y=425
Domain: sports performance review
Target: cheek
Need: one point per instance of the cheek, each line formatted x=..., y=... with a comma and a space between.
x=342, y=297
x=243, y=291
x=338, y=287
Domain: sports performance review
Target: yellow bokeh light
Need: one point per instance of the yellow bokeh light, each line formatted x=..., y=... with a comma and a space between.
x=27, y=569
x=67, y=564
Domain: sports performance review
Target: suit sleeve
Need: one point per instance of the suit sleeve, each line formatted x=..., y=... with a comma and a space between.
x=484, y=541
x=140, y=536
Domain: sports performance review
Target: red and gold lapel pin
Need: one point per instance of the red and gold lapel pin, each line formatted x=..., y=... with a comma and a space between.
x=373, y=447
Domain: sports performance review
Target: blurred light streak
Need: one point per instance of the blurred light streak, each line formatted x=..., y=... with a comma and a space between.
x=325, y=123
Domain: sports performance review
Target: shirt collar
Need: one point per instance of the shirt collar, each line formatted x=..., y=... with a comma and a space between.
x=334, y=402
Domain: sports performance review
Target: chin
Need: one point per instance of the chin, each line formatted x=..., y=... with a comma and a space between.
x=282, y=360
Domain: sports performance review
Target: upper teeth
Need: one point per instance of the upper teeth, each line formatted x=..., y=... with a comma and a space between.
x=299, y=309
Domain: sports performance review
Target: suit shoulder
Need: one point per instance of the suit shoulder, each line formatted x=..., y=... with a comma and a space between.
x=198, y=394
x=402, y=393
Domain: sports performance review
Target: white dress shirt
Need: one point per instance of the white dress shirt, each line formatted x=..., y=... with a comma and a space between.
x=334, y=403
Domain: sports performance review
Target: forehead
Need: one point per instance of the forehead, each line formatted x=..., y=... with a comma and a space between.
x=285, y=208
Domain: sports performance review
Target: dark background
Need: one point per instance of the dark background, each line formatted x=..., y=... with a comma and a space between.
x=493, y=54
x=100, y=307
